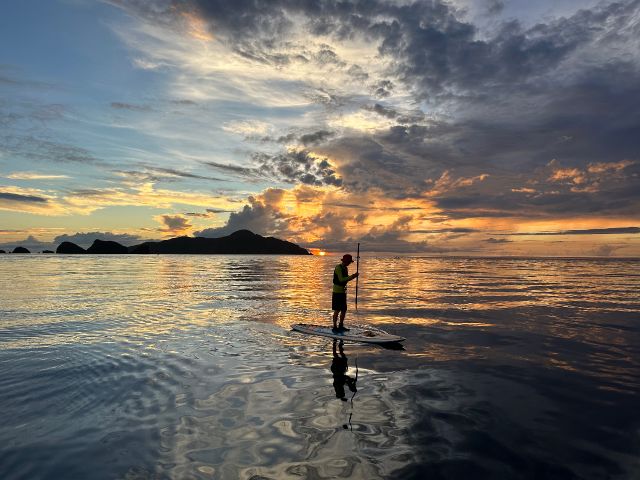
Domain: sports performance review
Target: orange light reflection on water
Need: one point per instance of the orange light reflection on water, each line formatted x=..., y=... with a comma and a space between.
x=446, y=307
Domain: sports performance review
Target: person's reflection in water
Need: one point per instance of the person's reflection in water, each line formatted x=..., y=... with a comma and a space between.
x=339, y=367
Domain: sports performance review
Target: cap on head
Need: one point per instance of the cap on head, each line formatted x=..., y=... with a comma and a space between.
x=347, y=258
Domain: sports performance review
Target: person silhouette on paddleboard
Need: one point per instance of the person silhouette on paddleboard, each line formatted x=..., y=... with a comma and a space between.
x=339, y=369
x=339, y=296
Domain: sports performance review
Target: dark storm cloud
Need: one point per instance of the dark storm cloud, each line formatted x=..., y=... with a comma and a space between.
x=297, y=167
x=381, y=110
x=518, y=97
x=366, y=162
x=551, y=191
x=434, y=50
x=476, y=204
x=316, y=137
x=382, y=89
x=591, y=121
x=406, y=119
x=326, y=56
x=306, y=139
x=441, y=53
x=15, y=197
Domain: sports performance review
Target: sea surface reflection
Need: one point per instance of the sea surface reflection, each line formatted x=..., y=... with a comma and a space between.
x=123, y=367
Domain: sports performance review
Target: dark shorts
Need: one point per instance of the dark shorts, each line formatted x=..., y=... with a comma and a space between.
x=339, y=302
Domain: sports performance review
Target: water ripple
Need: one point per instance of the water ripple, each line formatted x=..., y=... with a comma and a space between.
x=185, y=367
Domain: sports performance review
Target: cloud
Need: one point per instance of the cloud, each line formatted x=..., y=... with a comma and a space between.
x=16, y=197
x=35, y=176
x=494, y=7
x=315, y=137
x=33, y=148
x=248, y=128
x=174, y=224
x=218, y=210
x=85, y=239
x=497, y=240
x=262, y=215
x=297, y=166
x=234, y=169
x=589, y=231
x=303, y=139
x=434, y=50
x=315, y=217
x=88, y=200
x=447, y=183
x=9, y=77
x=197, y=214
x=475, y=86
x=156, y=174
x=31, y=243
x=28, y=200
x=603, y=167
x=130, y=106
x=183, y=102
x=364, y=113
x=390, y=238
x=606, y=250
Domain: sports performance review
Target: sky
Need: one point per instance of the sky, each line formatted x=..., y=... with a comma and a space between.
x=487, y=127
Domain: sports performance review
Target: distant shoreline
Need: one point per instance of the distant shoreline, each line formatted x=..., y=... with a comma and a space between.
x=241, y=242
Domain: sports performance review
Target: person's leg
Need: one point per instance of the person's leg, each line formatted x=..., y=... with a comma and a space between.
x=343, y=313
x=335, y=318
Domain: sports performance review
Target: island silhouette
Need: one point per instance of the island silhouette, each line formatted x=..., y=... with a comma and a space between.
x=239, y=242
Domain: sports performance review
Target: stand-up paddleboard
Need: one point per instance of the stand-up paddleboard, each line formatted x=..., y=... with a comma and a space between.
x=355, y=334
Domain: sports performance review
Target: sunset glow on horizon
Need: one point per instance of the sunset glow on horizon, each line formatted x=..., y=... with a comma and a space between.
x=439, y=128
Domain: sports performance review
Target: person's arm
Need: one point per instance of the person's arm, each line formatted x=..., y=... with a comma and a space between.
x=342, y=278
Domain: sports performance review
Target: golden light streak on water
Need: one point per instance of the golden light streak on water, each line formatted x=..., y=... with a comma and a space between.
x=180, y=366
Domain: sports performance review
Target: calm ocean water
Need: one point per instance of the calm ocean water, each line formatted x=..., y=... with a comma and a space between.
x=181, y=367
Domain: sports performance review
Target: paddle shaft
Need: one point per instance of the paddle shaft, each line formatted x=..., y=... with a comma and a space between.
x=357, y=267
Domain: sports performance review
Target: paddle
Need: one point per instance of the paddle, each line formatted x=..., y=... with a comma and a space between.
x=357, y=267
